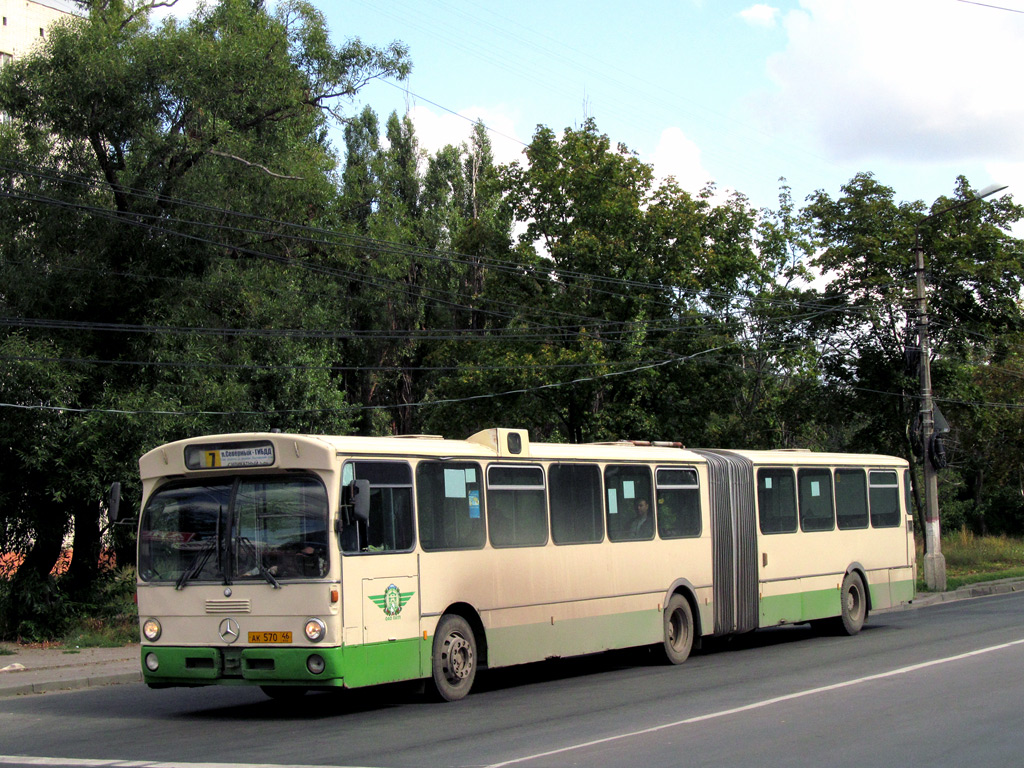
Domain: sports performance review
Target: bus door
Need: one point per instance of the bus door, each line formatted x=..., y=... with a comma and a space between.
x=380, y=576
x=800, y=559
x=734, y=541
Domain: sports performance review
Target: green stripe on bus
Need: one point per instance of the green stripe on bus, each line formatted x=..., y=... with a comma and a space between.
x=571, y=637
x=198, y=665
x=388, y=662
x=903, y=591
x=798, y=607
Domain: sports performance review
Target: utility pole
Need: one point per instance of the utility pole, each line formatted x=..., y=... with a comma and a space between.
x=934, y=561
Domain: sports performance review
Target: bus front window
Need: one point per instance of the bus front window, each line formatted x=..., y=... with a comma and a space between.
x=280, y=529
x=277, y=528
x=180, y=538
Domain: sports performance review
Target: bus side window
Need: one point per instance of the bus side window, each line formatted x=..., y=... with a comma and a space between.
x=516, y=515
x=450, y=505
x=776, y=500
x=851, y=498
x=908, y=496
x=629, y=512
x=575, y=498
x=678, y=503
x=816, y=499
x=390, y=525
x=884, y=496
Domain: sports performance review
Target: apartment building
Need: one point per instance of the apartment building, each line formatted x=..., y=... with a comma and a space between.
x=25, y=23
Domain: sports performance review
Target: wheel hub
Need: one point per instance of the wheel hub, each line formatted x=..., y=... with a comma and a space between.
x=458, y=658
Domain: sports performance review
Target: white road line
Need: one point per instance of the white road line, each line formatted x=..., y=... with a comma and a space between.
x=758, y=704
x=73, y=762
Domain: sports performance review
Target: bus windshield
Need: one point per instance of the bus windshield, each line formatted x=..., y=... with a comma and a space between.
x=249, y=528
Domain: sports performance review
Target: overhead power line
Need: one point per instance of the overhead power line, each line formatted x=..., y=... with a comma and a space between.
x=420, y=404
x=994, y=7
x=317, y=235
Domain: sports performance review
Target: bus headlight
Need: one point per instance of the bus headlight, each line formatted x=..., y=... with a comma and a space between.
x=152, y=662
x=315, y=630
x=151, y=630
x=316, y=664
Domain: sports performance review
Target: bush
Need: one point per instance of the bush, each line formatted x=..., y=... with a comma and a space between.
x=33, y=611
x=109, y=617
x=1002, y=512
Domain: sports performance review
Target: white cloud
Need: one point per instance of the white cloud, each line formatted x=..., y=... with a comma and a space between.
x=760, y=15
x=1011, y=174
x=678, y=156
x=908, y=80
x=436, y=130
x=181, y=10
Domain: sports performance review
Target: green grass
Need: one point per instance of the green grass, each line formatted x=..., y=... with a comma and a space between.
x=971, y=559
x=112, y=632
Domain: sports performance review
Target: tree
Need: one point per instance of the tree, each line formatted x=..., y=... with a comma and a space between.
x=427, y=231
x=636, y=271
x=866, y=241
x=116, y=125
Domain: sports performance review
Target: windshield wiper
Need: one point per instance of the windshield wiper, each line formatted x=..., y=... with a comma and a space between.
x=198, y=562
x=250, y=549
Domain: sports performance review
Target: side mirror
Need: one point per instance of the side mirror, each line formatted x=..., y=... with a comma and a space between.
x=357, y=496
x=114, y=503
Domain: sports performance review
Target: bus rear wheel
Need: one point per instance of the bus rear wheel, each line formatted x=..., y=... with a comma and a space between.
x=854, y=605
x=454, y=658
x=678, y=621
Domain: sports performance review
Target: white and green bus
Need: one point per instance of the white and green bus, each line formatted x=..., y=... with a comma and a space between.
x=298, y=562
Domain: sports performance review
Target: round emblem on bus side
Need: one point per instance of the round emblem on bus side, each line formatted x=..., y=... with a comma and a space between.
x=392, y=601
x=228, y=630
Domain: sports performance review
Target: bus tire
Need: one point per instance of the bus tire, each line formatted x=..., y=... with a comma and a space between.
x=854, y=599
x=678, y=624
x=454, y=658
x=284, y=692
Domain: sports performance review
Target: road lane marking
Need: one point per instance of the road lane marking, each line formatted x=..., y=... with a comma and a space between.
x=84, y=762
x=71, y=762
x=759, y=704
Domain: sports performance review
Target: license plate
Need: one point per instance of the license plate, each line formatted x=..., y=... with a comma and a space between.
x=270, y=637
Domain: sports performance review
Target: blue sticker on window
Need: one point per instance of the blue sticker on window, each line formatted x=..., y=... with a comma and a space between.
x=474, y=505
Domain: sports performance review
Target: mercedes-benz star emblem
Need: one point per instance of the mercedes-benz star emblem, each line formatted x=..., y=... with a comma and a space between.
x=228, y=630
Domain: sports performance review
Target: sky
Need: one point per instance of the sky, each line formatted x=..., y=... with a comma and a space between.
x=740, y=94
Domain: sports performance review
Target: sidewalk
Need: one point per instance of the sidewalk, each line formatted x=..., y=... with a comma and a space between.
x=44, y=670
x=983, y=589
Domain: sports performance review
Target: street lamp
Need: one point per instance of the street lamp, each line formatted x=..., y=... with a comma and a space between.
x=934, y=562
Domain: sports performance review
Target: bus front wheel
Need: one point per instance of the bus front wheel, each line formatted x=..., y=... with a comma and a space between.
x=854, y=605
x=454, y=658
x=678, y=629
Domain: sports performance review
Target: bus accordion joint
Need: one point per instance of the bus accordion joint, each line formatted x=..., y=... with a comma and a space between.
x=643, y=443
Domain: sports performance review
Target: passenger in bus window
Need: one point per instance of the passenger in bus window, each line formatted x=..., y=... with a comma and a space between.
x=641, y=527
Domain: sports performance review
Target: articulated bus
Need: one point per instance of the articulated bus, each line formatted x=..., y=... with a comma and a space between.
x=298, y=562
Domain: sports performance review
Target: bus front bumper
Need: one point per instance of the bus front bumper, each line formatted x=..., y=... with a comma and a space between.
x=165, y=666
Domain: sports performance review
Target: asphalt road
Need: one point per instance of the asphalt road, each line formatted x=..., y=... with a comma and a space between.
x=941, y=685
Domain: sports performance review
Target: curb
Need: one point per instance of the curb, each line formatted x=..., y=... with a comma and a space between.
x=974, y=590
x=71, y=684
